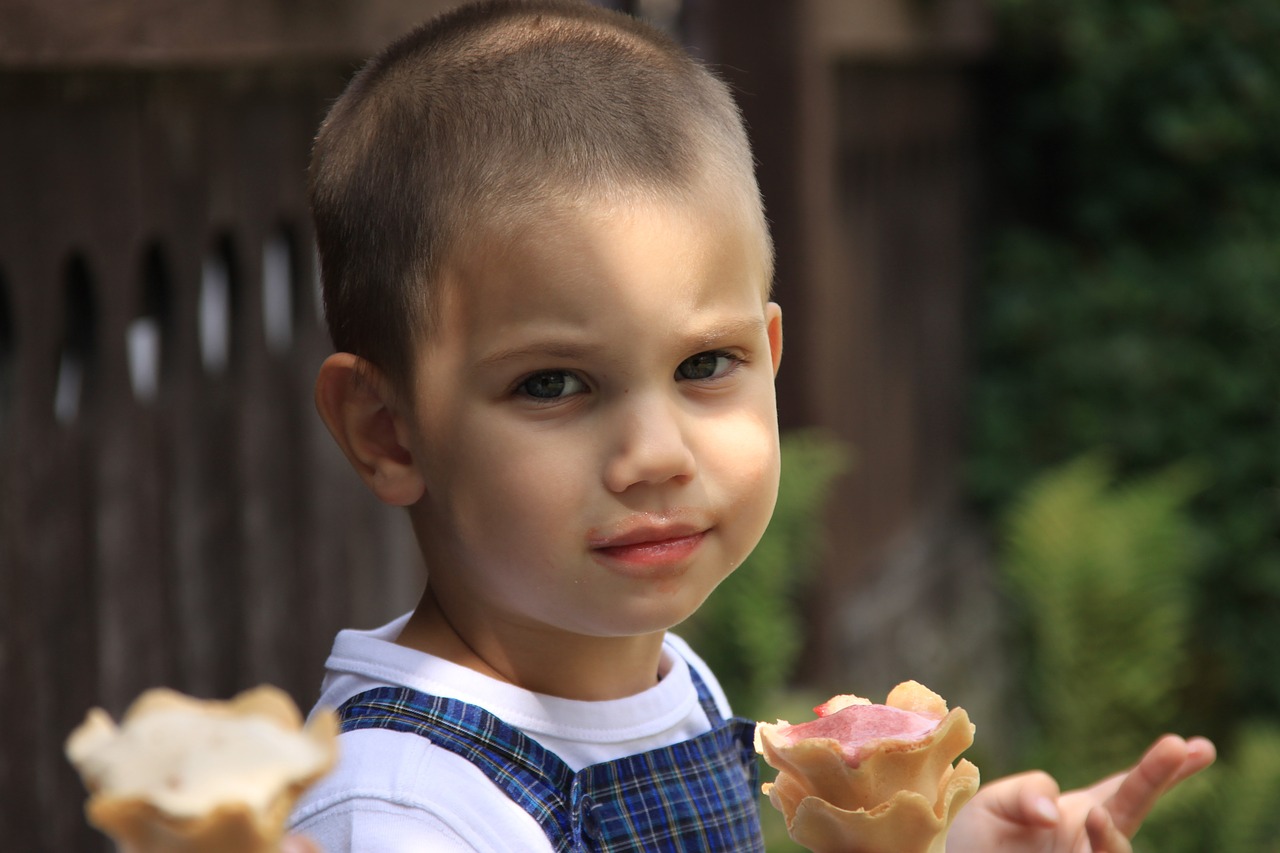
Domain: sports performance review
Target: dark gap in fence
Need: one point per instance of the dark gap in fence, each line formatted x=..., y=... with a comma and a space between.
x=7, y=348
x=149, y=336
x=219, y=306
x=59, y=530
x=76, y=366
x=280, y=289
x=215, y=617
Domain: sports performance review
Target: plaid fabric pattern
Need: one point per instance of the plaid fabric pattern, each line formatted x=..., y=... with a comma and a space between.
x=514, y=762
x=697, y=795
x=693, y=796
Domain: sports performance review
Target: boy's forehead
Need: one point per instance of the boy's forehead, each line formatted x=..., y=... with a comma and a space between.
x=599, y=248
x=721, y=217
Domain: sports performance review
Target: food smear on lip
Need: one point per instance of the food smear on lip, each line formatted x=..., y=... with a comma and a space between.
x=654, y=551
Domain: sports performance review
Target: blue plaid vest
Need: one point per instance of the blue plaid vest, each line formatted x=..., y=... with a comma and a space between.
x=696, y=795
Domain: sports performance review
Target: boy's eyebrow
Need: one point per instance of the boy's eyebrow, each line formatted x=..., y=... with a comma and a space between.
x=728, y=330
x=709, y=338
x=544, y=349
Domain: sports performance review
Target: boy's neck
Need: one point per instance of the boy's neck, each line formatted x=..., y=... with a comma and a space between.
x=570, y=667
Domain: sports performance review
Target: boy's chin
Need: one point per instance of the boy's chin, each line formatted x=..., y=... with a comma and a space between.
x=647, y=619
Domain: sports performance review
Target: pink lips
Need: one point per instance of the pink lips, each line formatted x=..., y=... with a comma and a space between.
x=647, y=543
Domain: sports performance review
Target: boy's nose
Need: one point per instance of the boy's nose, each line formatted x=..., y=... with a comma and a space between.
x=651, y=447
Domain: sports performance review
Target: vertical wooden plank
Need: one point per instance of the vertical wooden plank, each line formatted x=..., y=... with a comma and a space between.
x=290, y=121
x=905, y=144
x=270, y=576
x=173, y=189
x=907, y=213
x=215, y=599
x=265, y=564
x=133, y=613
x=206, y=465
x=38, y=537
x=54, y=611
x=16, y=728
x=14, y=666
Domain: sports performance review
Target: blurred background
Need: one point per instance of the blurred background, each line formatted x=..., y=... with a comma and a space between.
x=1029, y=255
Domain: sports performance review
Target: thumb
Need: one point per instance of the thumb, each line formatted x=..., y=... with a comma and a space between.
x=1027, y=799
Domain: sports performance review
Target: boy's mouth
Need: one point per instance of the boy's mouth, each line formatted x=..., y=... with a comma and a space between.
x=654, y=551
x=648, y=527
x=649, y=541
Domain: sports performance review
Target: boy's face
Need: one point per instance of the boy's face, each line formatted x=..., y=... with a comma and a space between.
x=595, y=423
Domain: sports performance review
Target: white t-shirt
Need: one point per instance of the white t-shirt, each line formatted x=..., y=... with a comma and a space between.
x=393, y=791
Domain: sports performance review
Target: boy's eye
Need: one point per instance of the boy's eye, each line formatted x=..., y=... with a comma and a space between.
x=551, y=385
x=705, y=365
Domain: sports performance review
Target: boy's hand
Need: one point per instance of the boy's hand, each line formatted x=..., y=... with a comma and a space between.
x=1027, y=814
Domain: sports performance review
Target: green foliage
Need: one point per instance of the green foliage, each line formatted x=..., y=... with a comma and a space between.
x=1153, y=116
x=750, y=630
x=1249, y=791
x=1131, y=298
x=1103, y=575
x=1229, y=807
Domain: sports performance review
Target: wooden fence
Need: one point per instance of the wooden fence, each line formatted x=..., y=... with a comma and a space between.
x=171, y=509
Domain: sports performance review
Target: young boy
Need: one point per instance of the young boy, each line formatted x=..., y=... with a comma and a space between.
x=546, y=272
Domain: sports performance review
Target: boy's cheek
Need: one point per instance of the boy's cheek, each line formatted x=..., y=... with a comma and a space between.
x=747, y=458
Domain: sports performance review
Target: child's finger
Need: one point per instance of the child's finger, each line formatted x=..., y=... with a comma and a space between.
x=1200, y=754
x=1159, y=768
x=1104, y=836
x=1028, y=799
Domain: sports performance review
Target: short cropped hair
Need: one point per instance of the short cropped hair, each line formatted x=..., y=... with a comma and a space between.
x=477, y=121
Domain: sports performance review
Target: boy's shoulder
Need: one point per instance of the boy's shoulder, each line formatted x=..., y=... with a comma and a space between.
x=395, y=792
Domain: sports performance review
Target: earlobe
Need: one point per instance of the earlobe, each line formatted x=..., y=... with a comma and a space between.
x=355, y=402
x=773, y=318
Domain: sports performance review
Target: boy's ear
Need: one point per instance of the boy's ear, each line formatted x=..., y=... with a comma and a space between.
x=773, y=317
x=356, y=402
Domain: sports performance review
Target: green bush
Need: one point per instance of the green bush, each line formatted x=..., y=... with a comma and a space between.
x=1229, y=807
x=1247, y=802
x=1101, y=577
x=1131, y=295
